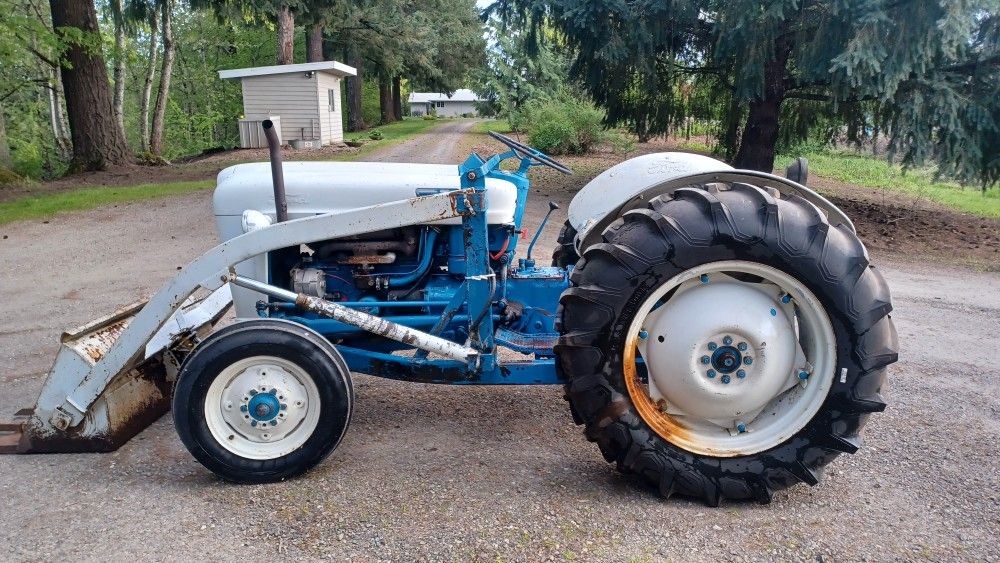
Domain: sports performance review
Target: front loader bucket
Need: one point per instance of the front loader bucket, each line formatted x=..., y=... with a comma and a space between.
x=135, y=398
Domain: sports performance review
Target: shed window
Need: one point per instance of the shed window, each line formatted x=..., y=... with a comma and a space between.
x=440, y=104
x=331, y=96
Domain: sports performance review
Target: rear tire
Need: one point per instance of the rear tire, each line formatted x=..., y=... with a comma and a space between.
x=565, y=253
x=262, y=401
x=691, y=228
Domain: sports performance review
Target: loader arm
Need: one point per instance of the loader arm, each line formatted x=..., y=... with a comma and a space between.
x=58, y=410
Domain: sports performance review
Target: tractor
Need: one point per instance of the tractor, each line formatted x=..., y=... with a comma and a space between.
x=719, y=333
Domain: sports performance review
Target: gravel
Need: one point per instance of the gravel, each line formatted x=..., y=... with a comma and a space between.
x=437, y=473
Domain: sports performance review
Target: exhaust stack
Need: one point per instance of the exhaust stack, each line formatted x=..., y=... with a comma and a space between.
x=277, y=171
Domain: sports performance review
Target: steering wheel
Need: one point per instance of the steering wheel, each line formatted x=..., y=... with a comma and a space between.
x=534, y=155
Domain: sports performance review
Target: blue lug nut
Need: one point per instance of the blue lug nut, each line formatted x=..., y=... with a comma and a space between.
x=741, y=374
x=742, y=346
x=803, y=375
x=741, y=427
x=727, y=340
x=712, y=345
x=726, y=379
x=704, y=278
x=711, y=374
x=705, y=360
x=747, y=360
x=786, y=298
x=643, y=334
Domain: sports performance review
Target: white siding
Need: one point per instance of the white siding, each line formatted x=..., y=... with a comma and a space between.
x=454, y=108
x=291, y=96
x=331, y=123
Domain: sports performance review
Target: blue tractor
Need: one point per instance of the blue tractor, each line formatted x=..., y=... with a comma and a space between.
x=719, y=333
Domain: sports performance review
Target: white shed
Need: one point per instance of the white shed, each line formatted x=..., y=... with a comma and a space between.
x=305, y=98
x=458, y=103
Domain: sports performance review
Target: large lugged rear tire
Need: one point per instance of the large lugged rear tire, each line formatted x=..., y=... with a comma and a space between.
x=747, y=238
x=262, y=401
x=565, y=253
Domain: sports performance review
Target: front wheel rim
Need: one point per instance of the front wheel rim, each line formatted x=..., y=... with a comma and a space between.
x=739, y=357
x=262, y=407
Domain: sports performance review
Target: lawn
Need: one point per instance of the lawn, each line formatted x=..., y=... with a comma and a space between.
x=47, y=204
x=870, y=172
x=495, y=125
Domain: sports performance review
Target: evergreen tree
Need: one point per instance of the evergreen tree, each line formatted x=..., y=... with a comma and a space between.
x=925, y=72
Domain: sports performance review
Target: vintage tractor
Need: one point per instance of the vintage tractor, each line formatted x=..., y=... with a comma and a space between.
x=720, y=333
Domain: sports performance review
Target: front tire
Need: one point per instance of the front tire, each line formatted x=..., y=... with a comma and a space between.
x=763, y=248
x=262, y=401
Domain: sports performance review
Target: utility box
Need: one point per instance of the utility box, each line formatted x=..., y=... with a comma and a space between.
x=252, y=132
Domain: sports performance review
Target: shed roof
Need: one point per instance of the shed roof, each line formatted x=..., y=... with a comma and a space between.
x=460, y=95
x=329, y=67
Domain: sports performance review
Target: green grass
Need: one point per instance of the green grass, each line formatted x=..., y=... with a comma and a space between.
x=694, y=146
x=496, y=125
x=46, y=205
x=870, y=172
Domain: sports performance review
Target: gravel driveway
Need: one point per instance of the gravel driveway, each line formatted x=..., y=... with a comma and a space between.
x=448, y=473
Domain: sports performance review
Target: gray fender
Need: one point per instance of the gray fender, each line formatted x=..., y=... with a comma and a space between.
x=630, y=184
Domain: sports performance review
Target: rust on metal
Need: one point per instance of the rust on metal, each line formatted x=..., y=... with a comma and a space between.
x=665, y=425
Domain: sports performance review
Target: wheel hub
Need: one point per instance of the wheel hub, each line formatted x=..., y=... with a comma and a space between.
x=271, y=403
x=727, y=359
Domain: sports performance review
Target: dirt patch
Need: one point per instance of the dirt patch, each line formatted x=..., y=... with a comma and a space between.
x=888, y=222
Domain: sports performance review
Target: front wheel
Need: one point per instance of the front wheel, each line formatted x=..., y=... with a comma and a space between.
x=725, y=343
x=262, y=401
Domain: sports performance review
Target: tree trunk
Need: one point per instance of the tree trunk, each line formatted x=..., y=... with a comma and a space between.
x=397, y=102
x=118, y=101
x=355, y=119
x=385, y=100
x=314, y=42
x=760, y=134
x=57, y=119
x=5, y=161
x=147, y=86
x=286, y=35
x=97, y=141
x=159, y=113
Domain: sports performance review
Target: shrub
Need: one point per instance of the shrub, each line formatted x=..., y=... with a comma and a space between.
x=430, y=117
x=376, y=135
x=622, y=142
x=567, y=126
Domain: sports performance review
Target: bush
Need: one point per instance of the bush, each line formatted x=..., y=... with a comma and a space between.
x=376, y=135
x=566, y=126
x=622, y=142
x=430, y=117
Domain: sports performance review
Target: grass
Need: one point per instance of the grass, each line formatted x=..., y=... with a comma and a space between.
x=44, y=205
x=495, y=125
x=871, y=172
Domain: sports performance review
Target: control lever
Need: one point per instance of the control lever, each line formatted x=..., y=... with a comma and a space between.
x=552, y=207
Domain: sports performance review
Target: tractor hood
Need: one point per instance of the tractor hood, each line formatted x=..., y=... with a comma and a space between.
x=323, y=187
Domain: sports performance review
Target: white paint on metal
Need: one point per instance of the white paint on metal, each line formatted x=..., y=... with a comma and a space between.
x=770, y=400
x=194, y=314
x=83, y=383
x=233, y=388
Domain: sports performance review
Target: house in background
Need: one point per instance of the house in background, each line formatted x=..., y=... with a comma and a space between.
x=303, y=100
x=462, y=102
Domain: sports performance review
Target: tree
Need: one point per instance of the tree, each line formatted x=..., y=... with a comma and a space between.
x=166, y=71
x=928, y=71
x=97, y=139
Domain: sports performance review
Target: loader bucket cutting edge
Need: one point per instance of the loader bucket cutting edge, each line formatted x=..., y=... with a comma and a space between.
x=135, y=398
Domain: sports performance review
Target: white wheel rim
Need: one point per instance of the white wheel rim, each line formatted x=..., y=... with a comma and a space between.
x=726, y=312
x=263, y=407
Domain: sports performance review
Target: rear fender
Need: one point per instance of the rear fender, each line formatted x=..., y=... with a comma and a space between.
x=631, y=184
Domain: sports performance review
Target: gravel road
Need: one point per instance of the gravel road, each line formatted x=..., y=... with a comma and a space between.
x=447, y=473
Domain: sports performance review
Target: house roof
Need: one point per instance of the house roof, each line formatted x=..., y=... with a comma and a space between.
x=329, y=67
x=460, y=95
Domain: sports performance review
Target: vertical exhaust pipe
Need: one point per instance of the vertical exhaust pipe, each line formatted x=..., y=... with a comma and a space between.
x=277, y=174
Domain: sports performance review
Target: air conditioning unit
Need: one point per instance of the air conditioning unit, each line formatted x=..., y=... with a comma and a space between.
x=252, y=133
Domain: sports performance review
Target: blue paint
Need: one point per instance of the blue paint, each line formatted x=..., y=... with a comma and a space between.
x=426, y=254
x=741, y=427
x=264, y=407
x=742, y=347
x=741, y=374
x=711, y=374
x=747, y=360
x=644, y=335
x=803, y=375
x=704, y=278
x=786, y=298
x=726, y=379
x=774, y=313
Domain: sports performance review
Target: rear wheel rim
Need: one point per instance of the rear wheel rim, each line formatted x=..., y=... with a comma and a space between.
x=262, y=407
x=739, y=356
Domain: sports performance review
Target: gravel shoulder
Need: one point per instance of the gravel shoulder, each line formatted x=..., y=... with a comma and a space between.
x=447, y=473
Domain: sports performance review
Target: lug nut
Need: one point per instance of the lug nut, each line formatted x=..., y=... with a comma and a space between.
x=803, y=375
x=727, y=340
x=741, y=374
x=747, y=360
x=712, y=345
x=742, y=346
x=786, y=298
x=704, y=278
x=705, y=360
x=243, y=408
x=643, y=334
x=710, y=374
x=741, y=428
x=726, y=379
